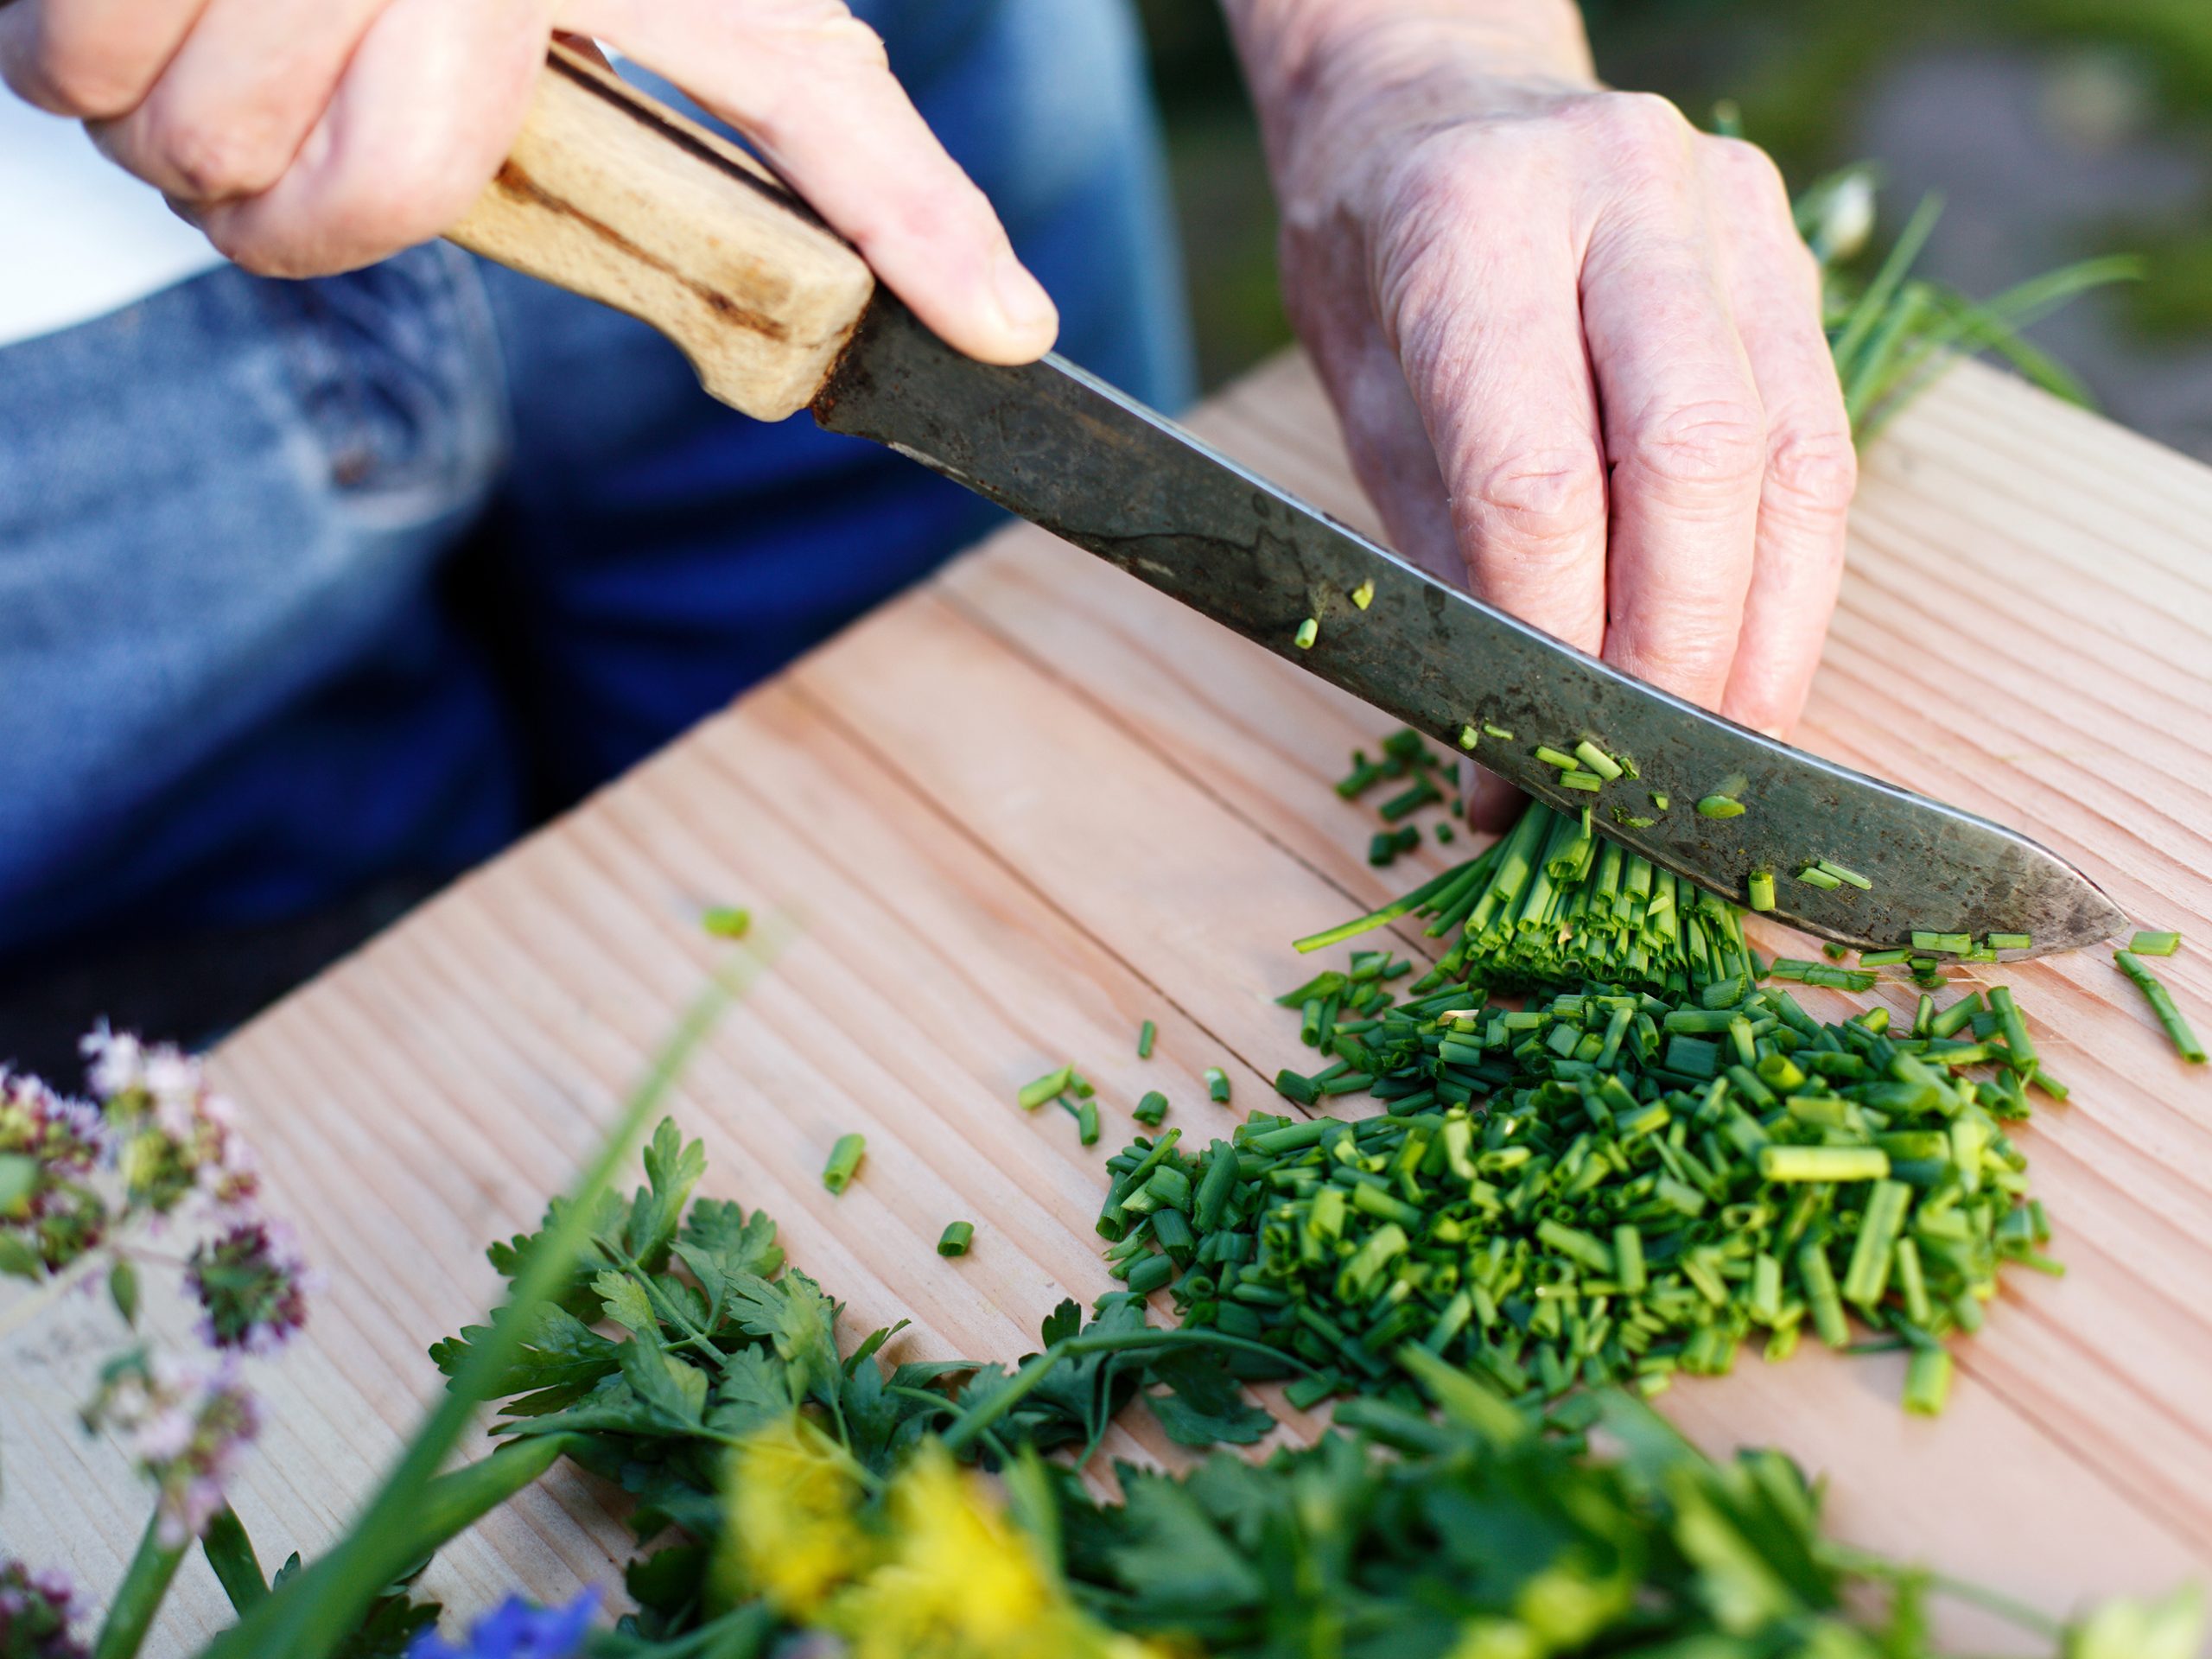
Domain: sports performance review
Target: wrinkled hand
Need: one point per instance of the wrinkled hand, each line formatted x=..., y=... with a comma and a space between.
x=1576, y=347
x=307, y=136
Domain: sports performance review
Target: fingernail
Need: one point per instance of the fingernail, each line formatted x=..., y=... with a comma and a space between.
x=1029, y=311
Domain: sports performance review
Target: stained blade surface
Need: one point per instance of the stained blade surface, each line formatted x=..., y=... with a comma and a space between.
x=1070, y=453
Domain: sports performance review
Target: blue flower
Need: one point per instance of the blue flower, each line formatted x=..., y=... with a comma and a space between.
x=515, y=1630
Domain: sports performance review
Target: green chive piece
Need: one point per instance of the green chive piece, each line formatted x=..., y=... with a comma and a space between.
x=1363, y=596
x=2015, y=1028
x=1445, y=834
x=1814, y=876
x=1779, y=1163
x=955, y=1238
x=726, y=923
x=1951, y=945
x=844, y=1159
x=2162, y=1004
x=1659, y=799
x=1760, y=889
x=1588, y=782
x=1308, y=631
x=1147, y=1033
x=1719, y=806
x=1152, y=1274
x=2154, y=944
x=1597, y=760
x=1849, y=878
x=1559, y=758
x=1469, y=737
x=1885, y=958
x=1151, y=1110
x=1036, y=1092
x=1216, y=1084
x=1927, y=1382
x=2010, y=941
x=1086, y=1123
x=1498, y=732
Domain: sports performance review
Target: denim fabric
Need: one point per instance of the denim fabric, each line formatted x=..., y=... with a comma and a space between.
x=305, y=584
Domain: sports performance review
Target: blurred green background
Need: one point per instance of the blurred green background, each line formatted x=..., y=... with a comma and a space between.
x=2054, y=129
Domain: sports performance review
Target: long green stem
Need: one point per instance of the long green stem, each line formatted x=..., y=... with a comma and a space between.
x=138, y=1598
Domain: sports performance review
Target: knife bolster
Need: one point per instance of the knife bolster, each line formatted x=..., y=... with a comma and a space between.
x=614, y=196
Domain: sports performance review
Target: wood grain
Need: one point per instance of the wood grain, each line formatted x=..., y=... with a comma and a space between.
x=610, y=193
x=1033, y=804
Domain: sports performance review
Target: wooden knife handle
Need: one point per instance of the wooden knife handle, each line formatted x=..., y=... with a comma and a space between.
x=612, y=194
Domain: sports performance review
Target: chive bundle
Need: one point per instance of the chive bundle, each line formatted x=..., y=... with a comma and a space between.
x=1554, y=903
x=1604, y=1186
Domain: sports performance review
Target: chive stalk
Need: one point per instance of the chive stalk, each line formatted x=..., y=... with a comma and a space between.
x=955, y=1238
x=844, y=1160
x=1147, y=1034
x=2162, y=1004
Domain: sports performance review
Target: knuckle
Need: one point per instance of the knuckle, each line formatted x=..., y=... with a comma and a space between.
x=1814, y=470
x=1544, y=501
x=78, y=80
x=1717, y=443
x=1745, y=168
x=216, y=160
x=1690, y=655
x=1639, y=125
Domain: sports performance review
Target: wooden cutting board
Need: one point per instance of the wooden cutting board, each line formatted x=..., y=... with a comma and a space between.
x=1032, y=803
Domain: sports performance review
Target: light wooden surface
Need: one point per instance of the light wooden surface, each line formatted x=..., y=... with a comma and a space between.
x=1032, y=805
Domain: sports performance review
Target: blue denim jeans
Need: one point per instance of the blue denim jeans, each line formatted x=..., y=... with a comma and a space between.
x=302, y=584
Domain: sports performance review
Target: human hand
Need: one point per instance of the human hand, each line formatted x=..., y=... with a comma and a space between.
x=308, y=138
x=1575, y=344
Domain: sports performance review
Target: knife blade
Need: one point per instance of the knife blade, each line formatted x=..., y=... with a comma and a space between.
x=1074, y=456
x=612, y=194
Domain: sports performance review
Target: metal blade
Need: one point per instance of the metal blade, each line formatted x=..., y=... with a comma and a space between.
x=1072, y=455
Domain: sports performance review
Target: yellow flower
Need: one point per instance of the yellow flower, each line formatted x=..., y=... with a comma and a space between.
x=790, y=1535
x=961, y=1581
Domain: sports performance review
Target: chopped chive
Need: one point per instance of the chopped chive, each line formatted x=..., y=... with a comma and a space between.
x=2154, y=944
x=844, y=1159
x=1496, y=731
x=1659, y=799
x=1152, y=1274
x=2162, y=1004
x=1363, y=596
x=1927, y=1382
x=1147, y=1033
x=1588, y=782
x=1086, y=1122
x=1814, y=876
x=955, y=1238
x=1719, y=806
x=1469, y=737
x=1445, y=834
x=1760, y=889
x=1778, y=1163
x=1151, y=1110
x=1833, y=951
x=1952, y=944
x=1850, y=877
x=1037, y=1091
x=2010, y=941
x=1559, y=758
x=1597, y=760
x=726, y=923
x=1885, y=958
x=1216, y=1084
x=2016, y=1029
x=1308, y=631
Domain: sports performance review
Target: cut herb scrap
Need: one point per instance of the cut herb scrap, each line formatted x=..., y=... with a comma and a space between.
x=2177, y=1030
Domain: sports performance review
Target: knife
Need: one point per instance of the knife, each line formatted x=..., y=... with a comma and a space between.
x=613, y=196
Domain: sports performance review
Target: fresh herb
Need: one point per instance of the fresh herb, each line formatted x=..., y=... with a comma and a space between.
x=2162, y=1004
x=1719, y=806
x=2154, y=944
x=1151, y=1110
x=844, y=1161
x=1147, y=1034
x=1037, y=1091
x=956, y=1237
x=725, y=923
x=1759, y=889
x=1308, y=631
x=1216, y=1084
x=1363, y=596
